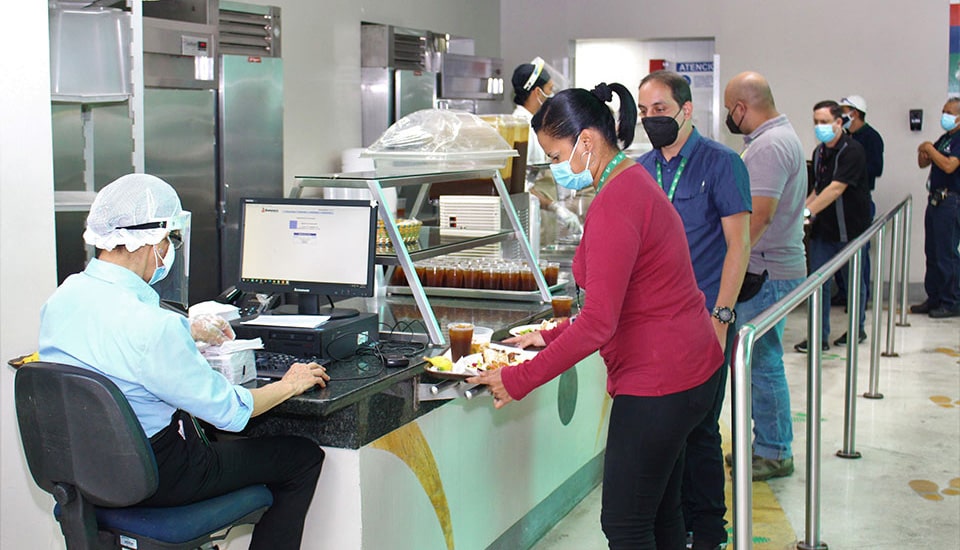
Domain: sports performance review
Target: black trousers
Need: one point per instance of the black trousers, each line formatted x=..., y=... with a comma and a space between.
x=703, y=476
x=643, y=467
x=192, y=469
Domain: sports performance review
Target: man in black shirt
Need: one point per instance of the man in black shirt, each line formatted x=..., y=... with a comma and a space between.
x=855, y=115
x=839, y=205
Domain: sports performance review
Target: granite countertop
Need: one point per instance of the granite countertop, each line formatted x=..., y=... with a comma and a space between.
x=364, y=400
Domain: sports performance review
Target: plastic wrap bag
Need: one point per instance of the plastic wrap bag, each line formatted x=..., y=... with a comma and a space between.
x=210, y=329
x=455, y=139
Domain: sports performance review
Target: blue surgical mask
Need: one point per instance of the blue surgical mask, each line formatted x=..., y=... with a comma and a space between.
x=825, y=132
x=948, y=122
x=565, y=177
x=163, y=264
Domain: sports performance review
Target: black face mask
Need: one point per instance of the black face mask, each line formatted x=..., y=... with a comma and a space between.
x=662, y=130
x=733, y=126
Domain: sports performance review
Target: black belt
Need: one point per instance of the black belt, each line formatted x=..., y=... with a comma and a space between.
x=938, y=195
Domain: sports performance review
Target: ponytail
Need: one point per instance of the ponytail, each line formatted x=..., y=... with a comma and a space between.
x=572, y=110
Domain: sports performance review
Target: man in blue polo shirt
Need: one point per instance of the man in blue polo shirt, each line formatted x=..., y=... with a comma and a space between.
x=708, y=185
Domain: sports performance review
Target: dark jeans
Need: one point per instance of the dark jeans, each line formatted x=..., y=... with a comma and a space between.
x=703, y=476
x=941, y=225
x=191, y=469
x=840, y=277
x=643, y=467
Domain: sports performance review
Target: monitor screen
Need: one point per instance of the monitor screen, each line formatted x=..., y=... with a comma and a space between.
x=308, y=246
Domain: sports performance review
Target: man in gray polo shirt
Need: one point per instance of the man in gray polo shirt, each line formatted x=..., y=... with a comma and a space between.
x=778, y=185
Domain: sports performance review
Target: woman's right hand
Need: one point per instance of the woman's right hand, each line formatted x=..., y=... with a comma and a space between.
x=523, y=341
x=304, y=376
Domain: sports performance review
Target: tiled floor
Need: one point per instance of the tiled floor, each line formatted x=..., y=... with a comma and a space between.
x=904, y=493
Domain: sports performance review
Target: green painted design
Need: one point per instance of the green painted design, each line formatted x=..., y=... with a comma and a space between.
x=567, y=396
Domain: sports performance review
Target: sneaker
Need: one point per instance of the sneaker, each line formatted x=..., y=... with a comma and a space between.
x=765, y=468
x=842, y=341
x=943, y=312
x=802, y=346
x=921, y=308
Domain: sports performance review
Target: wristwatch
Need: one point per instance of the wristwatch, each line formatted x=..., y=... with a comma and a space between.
x=724, y=314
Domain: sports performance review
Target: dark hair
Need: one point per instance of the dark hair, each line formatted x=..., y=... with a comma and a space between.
x=571, y=111
x=835, y=109
x=520, y=77
x=679, y=87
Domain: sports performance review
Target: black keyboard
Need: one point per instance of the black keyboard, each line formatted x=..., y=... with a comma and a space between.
x=272, y=364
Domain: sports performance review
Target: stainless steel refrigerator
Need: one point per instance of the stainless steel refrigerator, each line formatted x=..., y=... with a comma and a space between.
x=213, y=128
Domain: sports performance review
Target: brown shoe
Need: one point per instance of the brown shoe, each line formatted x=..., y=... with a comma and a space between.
x=921, y=308
x=765, y=468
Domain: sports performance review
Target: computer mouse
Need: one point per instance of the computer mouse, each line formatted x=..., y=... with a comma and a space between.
x=395, y=361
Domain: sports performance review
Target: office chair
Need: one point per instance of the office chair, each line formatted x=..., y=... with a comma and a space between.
x=85, y=446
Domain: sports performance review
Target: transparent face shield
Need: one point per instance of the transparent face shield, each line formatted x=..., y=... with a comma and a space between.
x=558, y=80
x=174, y=287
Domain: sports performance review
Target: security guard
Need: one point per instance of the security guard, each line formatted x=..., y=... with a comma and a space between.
x=942, y=220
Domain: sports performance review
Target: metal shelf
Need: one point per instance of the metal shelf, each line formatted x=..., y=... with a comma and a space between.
x=430, y=244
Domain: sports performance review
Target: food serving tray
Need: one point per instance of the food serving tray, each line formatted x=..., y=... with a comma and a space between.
x=466, y=366
x=479, y=294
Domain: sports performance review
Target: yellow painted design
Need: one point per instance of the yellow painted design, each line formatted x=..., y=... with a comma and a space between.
x=604, y=411
x=409, y=445
x=948, y=351
x=771, y=530
x=944, y=401
x=954, y=488
x=926, y=489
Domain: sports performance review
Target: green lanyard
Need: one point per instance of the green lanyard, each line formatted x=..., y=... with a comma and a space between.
x=676, y=178
x=606, y=172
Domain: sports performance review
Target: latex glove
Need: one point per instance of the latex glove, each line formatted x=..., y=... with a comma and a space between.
x=210, y=329
x=566, y=218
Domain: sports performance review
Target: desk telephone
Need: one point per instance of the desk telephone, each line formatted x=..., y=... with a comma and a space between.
x=250, y=304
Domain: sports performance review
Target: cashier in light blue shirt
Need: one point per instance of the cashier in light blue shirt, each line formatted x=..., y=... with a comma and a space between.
x=108, y=318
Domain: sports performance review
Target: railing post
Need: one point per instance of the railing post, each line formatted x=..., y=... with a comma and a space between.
x=742, y=439
x=811, y=539
x=891, y=286
x=873, y=392
x=907, y=212
x=854, y=282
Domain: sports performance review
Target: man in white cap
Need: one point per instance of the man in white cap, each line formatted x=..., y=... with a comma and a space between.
x=108, y=319
x=855, y=123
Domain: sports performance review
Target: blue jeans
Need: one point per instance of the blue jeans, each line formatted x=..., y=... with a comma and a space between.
x=772, y=425
x=822, y=252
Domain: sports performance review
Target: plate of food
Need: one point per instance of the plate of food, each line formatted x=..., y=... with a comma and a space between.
x=546, y=324
x=490, y=357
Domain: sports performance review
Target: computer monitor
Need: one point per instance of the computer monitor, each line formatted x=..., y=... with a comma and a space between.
x=310, y=247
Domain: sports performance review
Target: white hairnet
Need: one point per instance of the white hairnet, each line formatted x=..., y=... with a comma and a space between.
x=130, y=200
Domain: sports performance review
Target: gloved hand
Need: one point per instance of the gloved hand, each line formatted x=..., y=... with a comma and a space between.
x=566, y=218
x=210, y=329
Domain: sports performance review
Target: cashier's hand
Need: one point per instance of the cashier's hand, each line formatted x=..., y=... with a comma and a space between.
x=304, y=376
x=524, y=341
x=493, y=380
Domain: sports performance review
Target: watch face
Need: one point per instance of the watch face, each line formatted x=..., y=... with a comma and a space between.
x=724, y=314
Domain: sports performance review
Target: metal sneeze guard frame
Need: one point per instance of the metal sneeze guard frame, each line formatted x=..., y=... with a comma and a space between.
x=811, y=290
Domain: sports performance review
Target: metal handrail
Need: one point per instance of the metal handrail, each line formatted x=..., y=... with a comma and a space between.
x=810, y=290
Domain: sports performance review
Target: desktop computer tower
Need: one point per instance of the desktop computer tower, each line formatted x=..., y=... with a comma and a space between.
x=335, y=339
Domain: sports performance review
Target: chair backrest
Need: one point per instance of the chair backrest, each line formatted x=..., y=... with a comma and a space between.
x=77, y=428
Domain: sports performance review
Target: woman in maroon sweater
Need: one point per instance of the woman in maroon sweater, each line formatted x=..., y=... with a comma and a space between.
x=643, y=312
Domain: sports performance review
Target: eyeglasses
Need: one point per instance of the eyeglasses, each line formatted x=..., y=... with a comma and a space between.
x=176, y=240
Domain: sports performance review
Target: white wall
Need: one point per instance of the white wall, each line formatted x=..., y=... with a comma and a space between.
x=321, y=59
x=27, y=269
x=322, y=117
x=894, y=56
